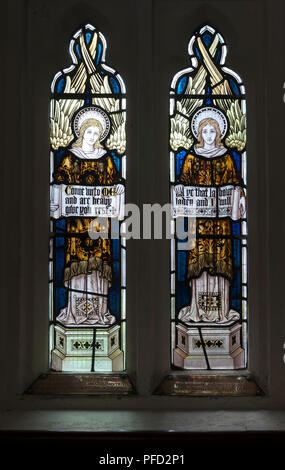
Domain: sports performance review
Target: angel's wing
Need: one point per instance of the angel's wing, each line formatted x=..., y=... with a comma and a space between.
x=61, y=115
x=237, y=120
x=62, y=110
x=117, y=138
x=220, y=86
x=180, y=135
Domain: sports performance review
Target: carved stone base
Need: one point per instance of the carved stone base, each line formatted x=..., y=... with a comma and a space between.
x=73, y=350
x=221, y=344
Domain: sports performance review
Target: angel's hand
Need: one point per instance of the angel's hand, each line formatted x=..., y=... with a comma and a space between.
x=119, y=188
x=242, y=206
x=179, y=189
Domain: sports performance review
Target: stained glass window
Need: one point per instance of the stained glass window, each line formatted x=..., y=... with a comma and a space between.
x=87, y=188
x=208, y=199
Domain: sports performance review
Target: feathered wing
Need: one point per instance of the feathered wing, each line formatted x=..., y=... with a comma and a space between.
x=117, y=137
x=180, y=134
x=62, y=110
x=237, y=123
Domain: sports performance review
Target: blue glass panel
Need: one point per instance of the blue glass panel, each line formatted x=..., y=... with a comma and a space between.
x=236, y=228
x=207, y=38
x=116, y=249
x=114, y=298
x=58, y=157
x=59, y=242
x=114, y=84
x=208, y=101
x=59, y=266
x=78, y=51
x=88, y=36
x=60, y=225
x=182, y=296
x=117, y=161
x=60, y=85
x=236, y=249
x=116, y=270
x=236, y=304
x=218, y=56
x=60, y=299
x=234, y=85
x=197, y=53
x=181, y=265
x=181, y=85
x=236, y=285
x=179, y=161
x=237, y=160
x=99, y=52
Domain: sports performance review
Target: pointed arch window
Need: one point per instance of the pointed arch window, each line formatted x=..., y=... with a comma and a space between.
x=87, y=188
x=208, y=193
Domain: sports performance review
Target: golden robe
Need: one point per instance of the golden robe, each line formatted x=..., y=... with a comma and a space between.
x=83, y=254
x=213, y=245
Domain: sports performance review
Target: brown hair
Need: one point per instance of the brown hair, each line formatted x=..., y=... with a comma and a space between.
x=211, y=122
x=85, y=125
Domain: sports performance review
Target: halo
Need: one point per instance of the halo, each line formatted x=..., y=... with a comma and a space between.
x=92, y=112
x=209, y=112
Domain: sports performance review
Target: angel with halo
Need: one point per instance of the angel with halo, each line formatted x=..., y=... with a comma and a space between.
x=209, y=163
x=88, y=262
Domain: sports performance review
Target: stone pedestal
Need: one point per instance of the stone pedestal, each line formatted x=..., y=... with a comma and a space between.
x=222, y=345
x=73, y=349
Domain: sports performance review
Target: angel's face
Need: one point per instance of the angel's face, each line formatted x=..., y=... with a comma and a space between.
x=91, y=135
x=209, y=134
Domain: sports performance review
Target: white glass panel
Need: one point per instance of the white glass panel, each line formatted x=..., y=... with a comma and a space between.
x=171, y=106
x=172, y=255
x=244, y=340
x=234, y=74
x=244, y=264
x=123, y=267
x=54, y=80
x=121, y=81
x=51, y=342
x=224, y=54
x=123, y=337
x=51, y=248
x=51, y=270
x=172, y=340
x=124, y=166
x=173, y=308
x=51, y=301
x=244, y=169
x=172, y=168
x=51, y=167
x=74, y=58
x=244, y=309
x=123, y=303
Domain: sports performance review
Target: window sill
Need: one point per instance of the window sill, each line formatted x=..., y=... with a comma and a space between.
x=209, y=386
x=81, y=384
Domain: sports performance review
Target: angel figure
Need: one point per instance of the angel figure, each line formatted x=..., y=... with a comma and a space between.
x=209, y=163
x=88, y=262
